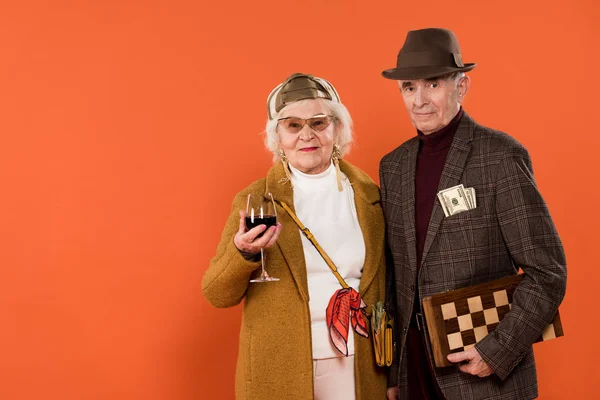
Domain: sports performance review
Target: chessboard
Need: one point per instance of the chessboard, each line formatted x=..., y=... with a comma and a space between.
x=458, y=319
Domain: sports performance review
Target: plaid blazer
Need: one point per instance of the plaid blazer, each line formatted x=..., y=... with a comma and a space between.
x=510, y=227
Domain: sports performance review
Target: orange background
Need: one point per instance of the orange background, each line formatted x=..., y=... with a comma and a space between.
x=128, y=126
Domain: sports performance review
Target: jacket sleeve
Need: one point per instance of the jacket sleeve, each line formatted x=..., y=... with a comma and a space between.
x=390, y=290
x=390, y=301
x=534, y=245
x=226, y=280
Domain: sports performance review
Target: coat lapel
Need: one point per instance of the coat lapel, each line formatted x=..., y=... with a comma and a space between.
x=370, y=218
x=408, y=201
x=451, y=174
x=289, y=241
x=366, y=198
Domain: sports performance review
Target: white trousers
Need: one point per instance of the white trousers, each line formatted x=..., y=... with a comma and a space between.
x=334, y=378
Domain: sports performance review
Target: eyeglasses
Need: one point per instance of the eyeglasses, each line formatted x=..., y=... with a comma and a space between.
x=295, y=125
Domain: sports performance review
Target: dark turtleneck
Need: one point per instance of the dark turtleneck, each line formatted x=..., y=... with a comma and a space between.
x=433, y=150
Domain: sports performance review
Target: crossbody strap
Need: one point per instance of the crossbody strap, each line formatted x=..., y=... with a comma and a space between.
x=312, y=239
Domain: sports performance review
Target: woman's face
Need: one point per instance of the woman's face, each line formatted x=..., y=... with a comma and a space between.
x=307, y=150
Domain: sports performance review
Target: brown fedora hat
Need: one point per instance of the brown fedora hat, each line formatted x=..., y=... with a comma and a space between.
x=428, y=53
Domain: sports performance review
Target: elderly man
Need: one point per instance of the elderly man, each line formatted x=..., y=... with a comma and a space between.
x=505, y=226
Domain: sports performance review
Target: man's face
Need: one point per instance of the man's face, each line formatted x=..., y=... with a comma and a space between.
x=432, y=103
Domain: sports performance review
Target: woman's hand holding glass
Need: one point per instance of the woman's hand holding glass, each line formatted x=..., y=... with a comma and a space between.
x=248, y=242
x=260, y=214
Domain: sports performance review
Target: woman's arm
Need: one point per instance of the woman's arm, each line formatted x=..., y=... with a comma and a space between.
x=226, y=280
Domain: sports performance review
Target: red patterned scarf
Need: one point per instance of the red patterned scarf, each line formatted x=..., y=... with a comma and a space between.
x=345, y=306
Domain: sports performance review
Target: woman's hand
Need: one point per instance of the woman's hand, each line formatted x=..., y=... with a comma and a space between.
x=393, y=393
x=247, y=241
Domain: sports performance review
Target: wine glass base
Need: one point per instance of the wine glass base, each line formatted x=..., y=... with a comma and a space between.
x=264, y=279
x=264, y=276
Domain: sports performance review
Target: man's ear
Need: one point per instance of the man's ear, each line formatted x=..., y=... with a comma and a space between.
x=463, y=86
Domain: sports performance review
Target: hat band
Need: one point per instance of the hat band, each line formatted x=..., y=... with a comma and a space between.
x=429, y=59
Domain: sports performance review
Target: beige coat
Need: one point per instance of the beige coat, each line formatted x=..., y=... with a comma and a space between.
x=275, y=354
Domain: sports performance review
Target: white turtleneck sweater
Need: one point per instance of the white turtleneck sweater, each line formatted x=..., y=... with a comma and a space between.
x=331, y=217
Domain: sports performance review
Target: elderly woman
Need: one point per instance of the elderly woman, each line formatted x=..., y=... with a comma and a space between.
x=303, y=337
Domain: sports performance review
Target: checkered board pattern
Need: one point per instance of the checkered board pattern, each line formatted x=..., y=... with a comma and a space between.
x=467, y=321
x=457, y=322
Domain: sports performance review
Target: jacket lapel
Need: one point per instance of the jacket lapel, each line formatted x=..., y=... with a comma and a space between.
x=451, y=174
x=366, y=199
x=408, y=201
x=289, y=241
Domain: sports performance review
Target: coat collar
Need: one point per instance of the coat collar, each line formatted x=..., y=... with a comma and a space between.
x=363, y=186
x=366, y=195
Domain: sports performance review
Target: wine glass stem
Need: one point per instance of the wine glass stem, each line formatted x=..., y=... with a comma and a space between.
x=262, y=259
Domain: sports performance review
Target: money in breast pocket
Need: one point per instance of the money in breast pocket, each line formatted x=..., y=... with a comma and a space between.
x=457, y=199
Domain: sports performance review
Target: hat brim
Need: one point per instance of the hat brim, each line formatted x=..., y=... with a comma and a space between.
x=411, y=73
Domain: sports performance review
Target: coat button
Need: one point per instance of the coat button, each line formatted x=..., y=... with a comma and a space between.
x=412, y=287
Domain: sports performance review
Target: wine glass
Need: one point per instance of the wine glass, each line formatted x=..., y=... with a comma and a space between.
x=260, y=211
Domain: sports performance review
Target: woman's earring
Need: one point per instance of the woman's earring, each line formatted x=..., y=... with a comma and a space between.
x=335, y=157
x=286, y=168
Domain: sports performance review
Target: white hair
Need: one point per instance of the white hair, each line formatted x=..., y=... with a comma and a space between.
x=455, y=76
x=342, y=123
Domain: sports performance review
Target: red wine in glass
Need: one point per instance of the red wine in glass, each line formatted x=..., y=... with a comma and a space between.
x=260, y=211
x=268, y=220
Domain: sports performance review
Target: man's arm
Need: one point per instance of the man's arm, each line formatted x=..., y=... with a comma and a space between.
x=534, y=245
